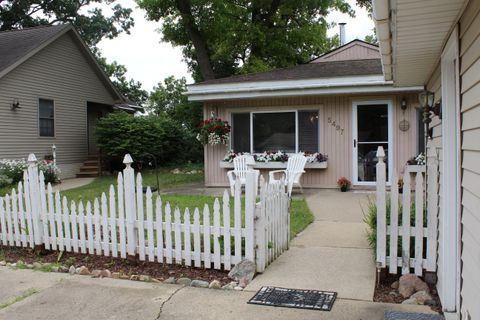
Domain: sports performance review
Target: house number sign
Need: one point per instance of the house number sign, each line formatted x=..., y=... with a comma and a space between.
x=336, y=125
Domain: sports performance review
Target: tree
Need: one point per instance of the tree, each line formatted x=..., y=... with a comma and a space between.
x=221, y=38
x=91, y=23
x=371, y=38
x=168, y=99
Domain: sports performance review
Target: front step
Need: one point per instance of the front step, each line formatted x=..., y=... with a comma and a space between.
x=90, y=167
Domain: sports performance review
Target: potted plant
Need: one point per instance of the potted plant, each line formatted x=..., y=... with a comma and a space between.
x=213, y=131
x=343, y=184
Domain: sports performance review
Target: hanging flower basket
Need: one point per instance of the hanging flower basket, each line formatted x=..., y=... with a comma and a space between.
x=214, y=131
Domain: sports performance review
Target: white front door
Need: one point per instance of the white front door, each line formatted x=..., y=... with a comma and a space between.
x=372, y=127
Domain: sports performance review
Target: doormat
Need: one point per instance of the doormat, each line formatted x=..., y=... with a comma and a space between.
x=294, y=298
x=396, y=315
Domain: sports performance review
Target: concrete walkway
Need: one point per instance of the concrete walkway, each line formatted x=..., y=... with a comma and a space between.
x=27, y=294
x=72, y=183
x=331, y=254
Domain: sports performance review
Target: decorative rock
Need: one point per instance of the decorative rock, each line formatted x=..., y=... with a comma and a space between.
x=228, y=286
x=53, y=269
x=20, y=263
x=184, y=281
x=215, y=284
x=410, y=301
x=176, y=171
x=37, y=265
x=409, y=284
x=77, y=270
x=170, y=280
x=105, y=273
x=394, y=285
x=83, y=271
x=96, y=273
x=72, y=270
x=124, y=277
x=145, y=278
x=155, y=280
x=238, y=288
x=199, y=284
x=394, y=293
x=62, y=269
x=116, y=275
x=134, y=277
x=421, y=297
x=29, y=266
x=243, y=272
x=3, y=263
x=13, y=265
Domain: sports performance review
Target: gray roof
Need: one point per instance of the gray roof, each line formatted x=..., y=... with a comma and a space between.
x=15, y=44
x=309, y=71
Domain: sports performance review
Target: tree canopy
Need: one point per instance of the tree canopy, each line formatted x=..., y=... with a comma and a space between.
x=220, y=38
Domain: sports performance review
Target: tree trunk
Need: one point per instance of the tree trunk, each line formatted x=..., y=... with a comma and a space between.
x=198, y=41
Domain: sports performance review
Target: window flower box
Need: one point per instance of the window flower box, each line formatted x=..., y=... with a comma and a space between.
x=276, y=165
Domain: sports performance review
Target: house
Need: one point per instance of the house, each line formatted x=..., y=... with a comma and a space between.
x=52, y=91
x=436, y=45
x=338, y=104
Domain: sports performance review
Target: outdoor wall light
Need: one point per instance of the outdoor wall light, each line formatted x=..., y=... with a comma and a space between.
x=403, y=104
x=426, y=100
x=15, y=104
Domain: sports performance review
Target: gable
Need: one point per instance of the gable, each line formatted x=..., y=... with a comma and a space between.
x=354, y=50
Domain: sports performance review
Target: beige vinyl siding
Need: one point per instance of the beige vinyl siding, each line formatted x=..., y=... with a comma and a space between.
x=60, y=72
x=354, y=51
x=337, y=146
x=470, y=109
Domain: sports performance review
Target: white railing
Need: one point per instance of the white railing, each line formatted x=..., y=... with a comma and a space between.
x=125, y=222
x=401, y=243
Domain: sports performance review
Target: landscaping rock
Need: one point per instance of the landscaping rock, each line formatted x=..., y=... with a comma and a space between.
x=238, y=288
x=243, y=272
x=96, y=273
x=409, y=284
x=228, y=286
x=54, y=269
x=62, y=269
x=105, y=273
x=134, y=277
x=3, y=263
x=124, y=276
x=199, y=284
x=29, y=266
x=176, y=171
x=170, y=280
x=394, y=293
x=184, y=281
x=84, y=271
x=13, y=265
x=72, y=270
x=421, y=297
x=116, y=275
x=410, y=301
x=394, y=285
x=145, y=278
x=20, y=263
x=215, y=284
x=37, y=265
x=155, y=280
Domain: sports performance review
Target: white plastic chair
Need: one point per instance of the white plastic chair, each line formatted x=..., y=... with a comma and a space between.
x=293, y=173
x=240, y=165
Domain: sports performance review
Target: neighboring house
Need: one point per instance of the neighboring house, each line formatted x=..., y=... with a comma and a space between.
x=436, y=44
x=52, y=91
x=338, y=104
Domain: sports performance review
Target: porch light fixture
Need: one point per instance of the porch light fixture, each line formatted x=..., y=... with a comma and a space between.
x=403, y=104
x=15, y=104
x=426, y=99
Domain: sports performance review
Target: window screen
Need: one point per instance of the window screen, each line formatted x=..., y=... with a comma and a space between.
x=274, y=131
x=308, y=131
x=46, y=118
x=241, y=132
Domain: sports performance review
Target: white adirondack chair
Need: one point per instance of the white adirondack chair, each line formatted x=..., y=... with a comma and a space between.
x=293, y=173
x=240, y=165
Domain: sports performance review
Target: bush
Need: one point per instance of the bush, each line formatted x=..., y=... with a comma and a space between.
x=11, y=171
x=119, y=133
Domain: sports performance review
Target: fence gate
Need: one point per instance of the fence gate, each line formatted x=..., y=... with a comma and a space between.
x=407, y=222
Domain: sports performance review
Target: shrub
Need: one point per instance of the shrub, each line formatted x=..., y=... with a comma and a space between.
x=119, y=133
x=11, y=171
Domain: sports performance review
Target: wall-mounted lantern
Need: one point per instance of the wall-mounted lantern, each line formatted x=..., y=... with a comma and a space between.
x=426, y=100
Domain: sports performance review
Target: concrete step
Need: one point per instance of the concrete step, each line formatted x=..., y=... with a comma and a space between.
x=87, y=174
x=89, y=169
x=90, y=163
x=92, y=157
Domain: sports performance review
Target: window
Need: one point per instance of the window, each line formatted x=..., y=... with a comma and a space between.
x=289, y=131
x=46, y=118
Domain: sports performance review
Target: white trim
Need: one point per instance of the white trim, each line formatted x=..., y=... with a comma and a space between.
x=319, y=86
x=450, y=230
x=391, y=153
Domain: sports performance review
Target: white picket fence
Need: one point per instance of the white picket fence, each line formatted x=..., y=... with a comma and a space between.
x=394, y=239
x=128, y=223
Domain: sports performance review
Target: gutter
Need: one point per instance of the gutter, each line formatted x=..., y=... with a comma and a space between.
x=381, y=16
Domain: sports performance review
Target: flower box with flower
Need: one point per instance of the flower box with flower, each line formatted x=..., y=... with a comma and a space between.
x=276, y=160
x=213, y=131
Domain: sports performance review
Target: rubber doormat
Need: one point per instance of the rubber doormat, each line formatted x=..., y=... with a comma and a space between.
x=396, y=315
x=294, y=298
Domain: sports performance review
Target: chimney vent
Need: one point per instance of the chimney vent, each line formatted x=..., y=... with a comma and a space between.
x=342, y=33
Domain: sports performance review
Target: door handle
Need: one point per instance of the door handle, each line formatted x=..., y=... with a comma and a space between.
x=354, y=143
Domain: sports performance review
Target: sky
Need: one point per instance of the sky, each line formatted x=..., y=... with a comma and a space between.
x=149, y=60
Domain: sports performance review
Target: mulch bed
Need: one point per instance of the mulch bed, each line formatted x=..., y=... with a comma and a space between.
x=383, y=292
x=125, y=266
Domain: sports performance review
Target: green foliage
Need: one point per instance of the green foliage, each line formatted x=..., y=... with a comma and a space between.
x=220, y=38
x=371, y=38
x=119, y=133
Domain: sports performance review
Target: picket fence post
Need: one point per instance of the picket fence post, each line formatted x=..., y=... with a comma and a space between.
x=260, y=240
x=130, y=215
x=250, y=200
x=381, y=209
x=35, y=205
